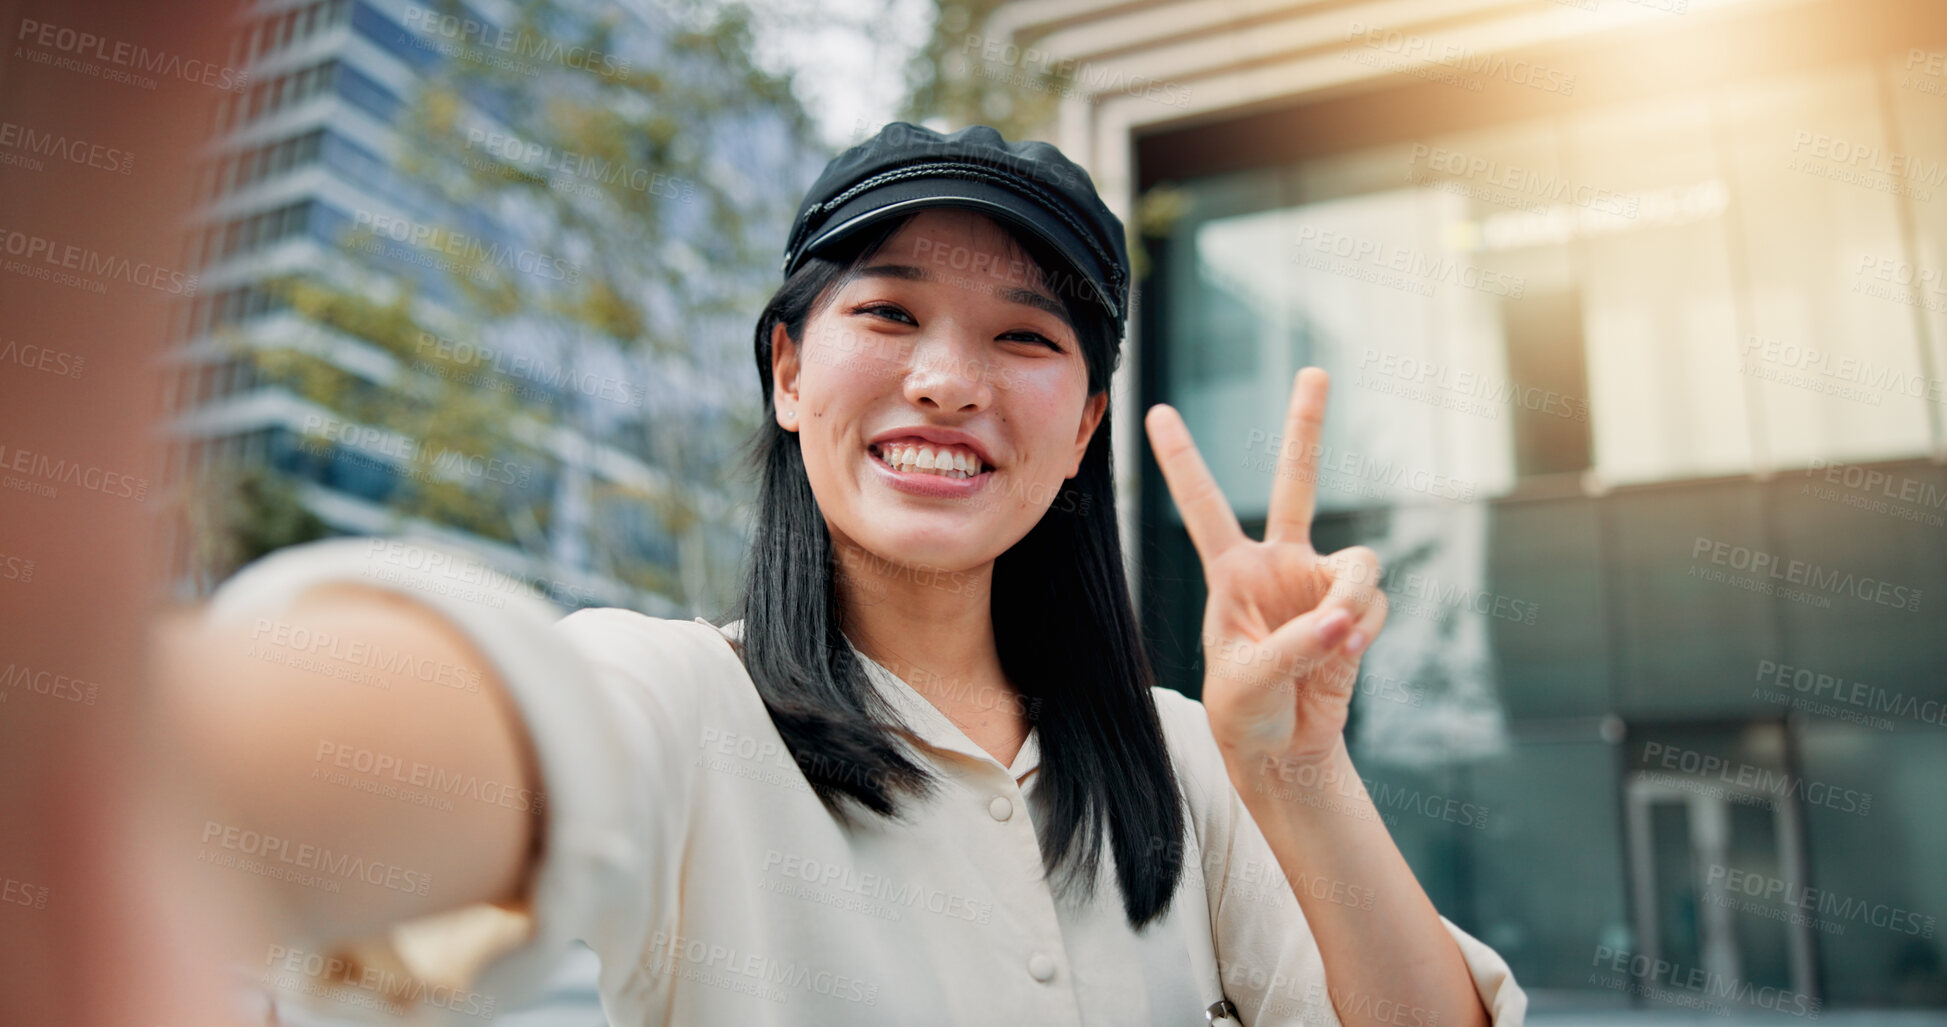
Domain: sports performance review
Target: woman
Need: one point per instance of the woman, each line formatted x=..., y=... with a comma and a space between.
x=923, y=777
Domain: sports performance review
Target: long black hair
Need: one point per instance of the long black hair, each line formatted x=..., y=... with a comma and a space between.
x=1063, y=623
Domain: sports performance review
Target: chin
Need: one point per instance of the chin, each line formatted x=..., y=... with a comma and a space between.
x=910, y=542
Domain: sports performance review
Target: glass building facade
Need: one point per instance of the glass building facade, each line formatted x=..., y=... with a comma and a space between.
x=1639, y=390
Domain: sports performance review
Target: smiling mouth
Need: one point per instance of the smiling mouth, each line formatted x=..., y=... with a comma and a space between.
x=944, y=461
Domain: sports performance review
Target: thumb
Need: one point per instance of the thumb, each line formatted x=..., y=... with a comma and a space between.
x=1315, y=639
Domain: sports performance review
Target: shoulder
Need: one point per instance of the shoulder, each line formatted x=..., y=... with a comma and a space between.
x=616, y=634
x=687, y=664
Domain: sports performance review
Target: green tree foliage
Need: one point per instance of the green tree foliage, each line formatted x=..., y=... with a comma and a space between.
x=957, y=79
x=966, y=75
x=645, y=173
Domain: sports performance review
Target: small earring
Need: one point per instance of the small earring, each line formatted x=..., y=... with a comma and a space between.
x=790, y=414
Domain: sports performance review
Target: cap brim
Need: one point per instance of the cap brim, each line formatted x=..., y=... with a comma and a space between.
x=1080, y=278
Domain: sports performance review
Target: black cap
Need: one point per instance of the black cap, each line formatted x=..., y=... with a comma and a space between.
x=1030, y=184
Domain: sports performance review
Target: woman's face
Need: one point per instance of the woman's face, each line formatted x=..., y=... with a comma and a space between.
x=940, y=396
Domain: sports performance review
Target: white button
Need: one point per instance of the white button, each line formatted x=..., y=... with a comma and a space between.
x=1042, y=966
x=1000, y=808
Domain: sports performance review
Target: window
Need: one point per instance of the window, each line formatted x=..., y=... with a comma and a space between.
x=1621, y=290
x=278, y=32
x=256, y=231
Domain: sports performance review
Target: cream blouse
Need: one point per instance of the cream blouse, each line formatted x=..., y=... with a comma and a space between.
x=683, y=845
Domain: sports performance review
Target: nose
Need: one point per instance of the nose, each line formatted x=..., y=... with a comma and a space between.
x=949, y=373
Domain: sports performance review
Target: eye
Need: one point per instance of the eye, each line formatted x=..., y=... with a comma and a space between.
x=886, y=310
x=1031, y=336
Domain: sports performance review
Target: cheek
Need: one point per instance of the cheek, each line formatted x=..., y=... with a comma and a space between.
x=1048, y=410
x=838, y=363
x=838, y=382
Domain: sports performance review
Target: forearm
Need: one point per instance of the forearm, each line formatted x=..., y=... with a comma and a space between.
x=1388, y=958
x=340, y=789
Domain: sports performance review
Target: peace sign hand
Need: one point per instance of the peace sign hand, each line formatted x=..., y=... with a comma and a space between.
x=1285, y=626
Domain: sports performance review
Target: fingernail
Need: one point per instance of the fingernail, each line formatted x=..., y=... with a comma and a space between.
x=1332, y=626
x=1355, y=642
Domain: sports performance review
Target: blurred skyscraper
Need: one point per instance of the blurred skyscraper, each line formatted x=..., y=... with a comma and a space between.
x=317, y=176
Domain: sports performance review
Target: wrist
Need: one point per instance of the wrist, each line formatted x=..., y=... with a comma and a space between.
x=1307, y=781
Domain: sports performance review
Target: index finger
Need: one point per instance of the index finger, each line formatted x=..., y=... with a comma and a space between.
x=1207, y=515
x=1294, y=493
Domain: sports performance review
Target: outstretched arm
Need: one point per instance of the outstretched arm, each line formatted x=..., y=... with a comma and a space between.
x=259, y=721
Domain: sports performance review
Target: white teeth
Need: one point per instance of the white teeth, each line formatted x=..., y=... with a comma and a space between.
x=945, y=462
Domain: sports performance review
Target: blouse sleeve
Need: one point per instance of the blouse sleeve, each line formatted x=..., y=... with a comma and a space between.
x=1267, y=958
x=613, y=785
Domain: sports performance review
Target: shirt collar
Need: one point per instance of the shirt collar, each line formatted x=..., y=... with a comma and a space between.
x=919, y=714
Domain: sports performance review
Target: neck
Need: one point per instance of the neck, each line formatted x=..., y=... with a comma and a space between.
x=934, y=629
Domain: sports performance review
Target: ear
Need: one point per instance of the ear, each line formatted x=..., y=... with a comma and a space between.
x=1091, y=416
x=784, y=378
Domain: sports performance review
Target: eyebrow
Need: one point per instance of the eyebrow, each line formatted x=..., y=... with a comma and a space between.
x=1014, y=294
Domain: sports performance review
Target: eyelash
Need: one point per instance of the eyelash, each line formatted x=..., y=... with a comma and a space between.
x=879, y=308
